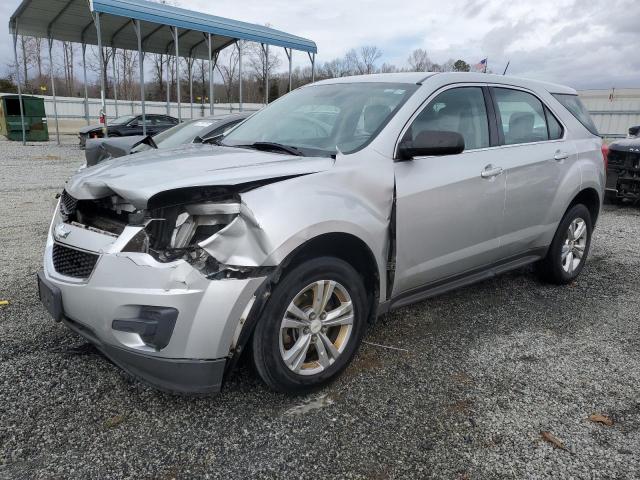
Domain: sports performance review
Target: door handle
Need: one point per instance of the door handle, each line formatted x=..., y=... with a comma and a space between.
x=491, y=171
x=561, y=155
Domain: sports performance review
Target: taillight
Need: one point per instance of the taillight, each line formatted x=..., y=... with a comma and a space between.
x=605, y=155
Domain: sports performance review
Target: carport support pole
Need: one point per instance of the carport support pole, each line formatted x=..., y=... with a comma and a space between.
x=103, y=87
x=138, y=29
x=53, y=89
x=191, y=61
x=240, y=106
x=115, y=79
x=84, y=72
x=15, y=54
x=312, y=57
x=289, y=52
x=175, y=40
x=210, y=74
x=168, y=87
x=266, y=73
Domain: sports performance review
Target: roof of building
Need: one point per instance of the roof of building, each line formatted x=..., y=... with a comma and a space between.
x=72, y=20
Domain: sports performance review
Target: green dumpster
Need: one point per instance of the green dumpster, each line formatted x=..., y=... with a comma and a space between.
x=35, y=118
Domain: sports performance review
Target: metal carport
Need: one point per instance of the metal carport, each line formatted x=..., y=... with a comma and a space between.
x=148, y=28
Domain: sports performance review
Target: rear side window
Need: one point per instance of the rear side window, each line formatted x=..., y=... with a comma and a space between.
x=577, y=109
x=522, y=116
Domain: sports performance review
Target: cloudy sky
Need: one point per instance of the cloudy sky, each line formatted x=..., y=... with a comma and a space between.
x=582, y=43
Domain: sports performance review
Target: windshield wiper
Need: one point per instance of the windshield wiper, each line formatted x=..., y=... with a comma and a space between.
x=266, y=146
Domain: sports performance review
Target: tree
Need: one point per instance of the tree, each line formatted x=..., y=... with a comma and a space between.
x=7, y=85
x=335, y=68
x=67, y=54
x=94, y=65
x=369, y=55
x=388, y=68
x=461, y=66
x=419, y=61
x=257, y=64
x=227, y=65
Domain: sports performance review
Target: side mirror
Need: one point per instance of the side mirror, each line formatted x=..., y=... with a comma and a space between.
x=431, y=142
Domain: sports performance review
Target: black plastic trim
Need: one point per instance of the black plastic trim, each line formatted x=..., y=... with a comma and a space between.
x=174, y=375
x=492, y=119
x=461, y=280
x=154, y=325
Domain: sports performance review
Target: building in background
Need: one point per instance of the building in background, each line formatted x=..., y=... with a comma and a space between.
x=613, y=110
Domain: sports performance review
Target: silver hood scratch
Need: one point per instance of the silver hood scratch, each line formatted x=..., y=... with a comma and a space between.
x=139, y=178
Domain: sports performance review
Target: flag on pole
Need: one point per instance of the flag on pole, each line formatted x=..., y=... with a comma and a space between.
x=482, y=65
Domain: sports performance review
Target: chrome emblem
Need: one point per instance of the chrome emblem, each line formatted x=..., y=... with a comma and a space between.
x=62, y=231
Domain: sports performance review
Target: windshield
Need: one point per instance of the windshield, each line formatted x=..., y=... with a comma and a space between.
x=183, y=133
x=122, y=120
x=317, y=119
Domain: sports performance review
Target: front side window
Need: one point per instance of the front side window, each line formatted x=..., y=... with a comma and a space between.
x=522, y=116
x=460, y=110
x=555, y=129
x=321, y=119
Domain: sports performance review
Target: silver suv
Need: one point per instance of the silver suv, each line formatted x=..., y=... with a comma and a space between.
x=338, y=202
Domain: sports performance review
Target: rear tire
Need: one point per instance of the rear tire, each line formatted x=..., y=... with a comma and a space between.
x=569, y=249
x=311, y=327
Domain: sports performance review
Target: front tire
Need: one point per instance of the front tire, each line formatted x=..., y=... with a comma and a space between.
x=311, y=327
x=568, y=251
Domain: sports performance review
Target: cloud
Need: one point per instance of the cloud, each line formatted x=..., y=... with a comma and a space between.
x=590, y=44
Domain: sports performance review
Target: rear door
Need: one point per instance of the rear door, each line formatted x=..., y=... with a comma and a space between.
x=449, y=209
x=535, y=156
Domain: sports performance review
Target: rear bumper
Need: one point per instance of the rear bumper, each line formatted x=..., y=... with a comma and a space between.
x=191, y=376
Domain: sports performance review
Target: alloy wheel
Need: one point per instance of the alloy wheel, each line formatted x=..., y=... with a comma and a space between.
x=316, y=327
x=574, y=245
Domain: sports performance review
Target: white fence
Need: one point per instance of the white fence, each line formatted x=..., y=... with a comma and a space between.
x=72, y=108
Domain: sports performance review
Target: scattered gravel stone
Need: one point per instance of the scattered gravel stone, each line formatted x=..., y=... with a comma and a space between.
x=483, y=371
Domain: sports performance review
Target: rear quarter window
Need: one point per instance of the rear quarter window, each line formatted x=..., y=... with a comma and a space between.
x=577, y=109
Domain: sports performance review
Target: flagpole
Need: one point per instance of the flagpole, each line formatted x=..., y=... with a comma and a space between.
x=505, y=68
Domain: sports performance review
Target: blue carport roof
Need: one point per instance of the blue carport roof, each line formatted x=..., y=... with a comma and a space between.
x=72, y=20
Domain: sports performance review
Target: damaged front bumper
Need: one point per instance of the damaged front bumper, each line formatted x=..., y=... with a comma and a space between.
x=164, y=322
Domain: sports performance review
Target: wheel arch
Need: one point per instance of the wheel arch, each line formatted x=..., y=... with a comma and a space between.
x=347, y=247
x=590, y=198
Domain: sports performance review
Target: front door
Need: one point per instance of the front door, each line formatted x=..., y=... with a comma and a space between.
x=449, y=209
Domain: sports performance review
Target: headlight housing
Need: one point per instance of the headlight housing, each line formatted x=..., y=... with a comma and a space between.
x=178, y=232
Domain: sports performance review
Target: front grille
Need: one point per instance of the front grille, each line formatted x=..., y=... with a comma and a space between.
x=68, y=204
x=73, y=263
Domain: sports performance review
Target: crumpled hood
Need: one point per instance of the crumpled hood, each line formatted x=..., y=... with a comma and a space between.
x=139, y=177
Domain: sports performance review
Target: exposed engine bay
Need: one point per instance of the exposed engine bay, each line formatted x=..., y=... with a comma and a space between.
x=177, y=226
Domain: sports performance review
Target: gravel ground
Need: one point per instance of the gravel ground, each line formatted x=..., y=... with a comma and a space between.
x=483, y=372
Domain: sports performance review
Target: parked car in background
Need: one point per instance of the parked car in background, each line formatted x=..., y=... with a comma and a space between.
x=634, y=131
x=623, y=170
x=291, y=236
x=128, y=125
x=194, y=131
